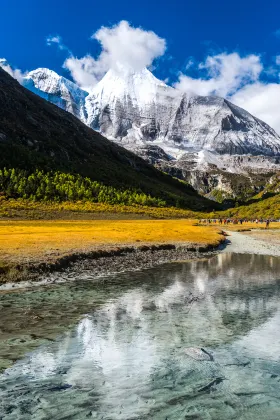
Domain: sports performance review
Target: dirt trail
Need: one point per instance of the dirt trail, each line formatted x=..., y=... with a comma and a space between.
x=244, y=244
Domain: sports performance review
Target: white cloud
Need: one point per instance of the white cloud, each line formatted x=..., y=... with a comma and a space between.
x=123, y=47
x=190, y=63
x=225, y=73
x=261, y=100
x=15, y=73
x=57, y=40
x=86, y=71
x=277, y=60
x=127, y=46
x=54, y=40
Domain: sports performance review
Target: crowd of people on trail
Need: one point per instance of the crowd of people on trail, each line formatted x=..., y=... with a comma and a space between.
x=234, y=221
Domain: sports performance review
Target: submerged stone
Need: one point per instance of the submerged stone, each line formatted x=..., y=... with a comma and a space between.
x=199, y=354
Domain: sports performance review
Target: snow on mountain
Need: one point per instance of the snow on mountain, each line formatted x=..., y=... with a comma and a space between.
x=215, y=124
x=139, y=111
x=205, y=160
x=58, y=90
x=130, y=107
x=135, y=108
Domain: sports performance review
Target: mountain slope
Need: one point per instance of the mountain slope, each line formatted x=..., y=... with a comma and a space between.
x=36, y=134
x=58, y=90
x=130, y=107
x=267, y=208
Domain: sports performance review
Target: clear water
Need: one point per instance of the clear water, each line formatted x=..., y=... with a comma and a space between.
x=120, y=346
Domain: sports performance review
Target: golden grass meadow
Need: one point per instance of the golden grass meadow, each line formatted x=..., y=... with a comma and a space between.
x=31, y=233
x=22, y=241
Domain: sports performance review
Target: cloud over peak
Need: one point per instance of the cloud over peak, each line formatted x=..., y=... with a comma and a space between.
x=123, y=46
x=85, y=71
x=129, y=47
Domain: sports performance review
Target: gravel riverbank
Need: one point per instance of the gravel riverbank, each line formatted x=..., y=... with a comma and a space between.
x=250, y=242
x=110, y=262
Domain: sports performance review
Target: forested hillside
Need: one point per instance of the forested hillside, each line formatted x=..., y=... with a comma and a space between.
x=58, y=187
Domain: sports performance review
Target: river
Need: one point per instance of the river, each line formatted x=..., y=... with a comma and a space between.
x=121, y=348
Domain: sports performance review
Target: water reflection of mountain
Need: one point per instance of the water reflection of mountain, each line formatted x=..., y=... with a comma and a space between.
x=236, y=293
x=132, y=340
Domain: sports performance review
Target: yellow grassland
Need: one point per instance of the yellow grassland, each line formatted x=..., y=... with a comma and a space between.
x=27, y=241
x=27, y=209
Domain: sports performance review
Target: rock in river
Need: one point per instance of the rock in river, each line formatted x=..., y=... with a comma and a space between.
x=199, y=354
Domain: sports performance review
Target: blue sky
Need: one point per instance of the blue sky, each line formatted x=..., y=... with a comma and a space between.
x=240, y=35
x=191, y=28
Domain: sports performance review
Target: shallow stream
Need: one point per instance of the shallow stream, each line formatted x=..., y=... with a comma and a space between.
x=119, y=349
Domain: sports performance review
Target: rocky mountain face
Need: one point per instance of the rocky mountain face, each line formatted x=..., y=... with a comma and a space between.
x=194, y=138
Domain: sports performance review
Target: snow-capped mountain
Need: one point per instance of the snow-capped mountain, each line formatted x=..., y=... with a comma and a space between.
x=58, y=90
x=135, y=108
x=165, y=126
x=130, y=107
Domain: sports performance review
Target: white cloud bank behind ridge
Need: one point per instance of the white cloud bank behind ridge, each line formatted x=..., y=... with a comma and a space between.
x=223, y=75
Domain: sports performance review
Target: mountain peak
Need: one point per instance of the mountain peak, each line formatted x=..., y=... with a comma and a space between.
x=127, y=81
x=45, y=78
x=4, y=62
x=58, y=90
x=136, y=108
x=125, y=72
x=129, y=93
x=43, y=72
